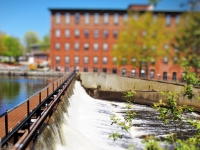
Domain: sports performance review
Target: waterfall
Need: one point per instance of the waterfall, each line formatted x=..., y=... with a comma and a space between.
x=83, y=123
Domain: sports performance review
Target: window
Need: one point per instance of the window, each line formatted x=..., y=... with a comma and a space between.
x=95, y=70
x=96, y=46
x=164, y=75
x=57, y=33
x=114, y=60
x=77, y=18
x=66, y=69
x=66, y=59
x=85, y=69
x=165, y=60
x=105, y=60
x=133, y=60
x=106, y=18
x=86, y=32
x=105, y=46
x=123, y=71
x=67, y=33
x=87, y=18
x=166, y=46
x=57, y=46
x=124, y=61
x=76, y=59
x=86, y=46
x=86, y=59
x=67, y=18
x=67, y=46
x=116, y=18
x=178, y=19
x=76, y=46
x=175, y=60
x=115, y=34
x=58, y=18
x=125, y=17
x=76, y=33
x=152, y=61
x=142, y=73
x=168, y=20
x=105, y=33
x=144, y=33
x=114, y=71
x=133, y=72
x=58, y=68
x=176, y=49
x=152, y=73
x=96, y=18
x=57, y=59
x=155, y=18
x=95, y=60
x=96, y=33
x=105, y=70
x=174, y=74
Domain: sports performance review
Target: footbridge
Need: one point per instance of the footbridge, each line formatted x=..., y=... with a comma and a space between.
x=20, y=126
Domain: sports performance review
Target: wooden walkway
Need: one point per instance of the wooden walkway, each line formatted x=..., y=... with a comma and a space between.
x=19, y=113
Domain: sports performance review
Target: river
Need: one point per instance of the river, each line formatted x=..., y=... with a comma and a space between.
x=16, y=89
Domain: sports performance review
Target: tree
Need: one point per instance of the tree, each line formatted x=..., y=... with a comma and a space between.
x=13, y=47
x=45, y=42
x=140, y=42
x=188, y=41
x=3, y=48
x=30, y=38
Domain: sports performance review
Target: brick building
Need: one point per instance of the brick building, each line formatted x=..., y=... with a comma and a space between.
x=84, y=39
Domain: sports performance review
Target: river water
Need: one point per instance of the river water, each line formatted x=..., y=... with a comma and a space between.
x=87, y=125
x=16, y=89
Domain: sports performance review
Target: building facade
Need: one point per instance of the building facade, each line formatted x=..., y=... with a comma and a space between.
x=84, y=39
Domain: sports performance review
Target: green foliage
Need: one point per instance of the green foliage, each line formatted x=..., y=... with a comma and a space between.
x=30, y=38
x=126, y=122
x=151, y=143
x=188, y=41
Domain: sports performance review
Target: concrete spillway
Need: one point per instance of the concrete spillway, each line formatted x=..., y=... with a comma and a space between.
x=83, y=123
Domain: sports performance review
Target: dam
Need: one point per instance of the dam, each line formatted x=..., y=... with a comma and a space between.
x=81, y=122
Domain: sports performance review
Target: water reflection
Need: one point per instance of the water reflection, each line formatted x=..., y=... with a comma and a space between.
x=15, y=89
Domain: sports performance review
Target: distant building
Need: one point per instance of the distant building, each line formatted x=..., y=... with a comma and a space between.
x=84, y=39
x=39, y=55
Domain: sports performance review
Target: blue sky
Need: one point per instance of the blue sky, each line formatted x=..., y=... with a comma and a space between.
x=20, y=16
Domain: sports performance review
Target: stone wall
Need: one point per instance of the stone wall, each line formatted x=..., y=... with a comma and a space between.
x=112, y=87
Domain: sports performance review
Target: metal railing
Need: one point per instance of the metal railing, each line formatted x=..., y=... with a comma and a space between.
x=20, y=116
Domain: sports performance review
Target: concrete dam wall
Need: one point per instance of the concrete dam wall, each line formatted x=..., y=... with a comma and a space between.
x=112, y=87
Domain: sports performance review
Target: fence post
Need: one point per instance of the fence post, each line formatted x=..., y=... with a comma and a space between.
x=47, y=91
x=6, y=122
x=39, y=97
x=28, y=109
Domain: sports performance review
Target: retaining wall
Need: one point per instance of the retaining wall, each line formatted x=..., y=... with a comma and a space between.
x=112, y=87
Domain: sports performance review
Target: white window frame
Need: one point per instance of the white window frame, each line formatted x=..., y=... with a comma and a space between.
x=96, y=33
x=67, y=46
x=67, y=18
x=86, y=46
x=106, y=18
x=105, y=46
x=57, y=46
x=96, y=46
x=116, y=18
x=168, y=20
x=105, y=33
x=86, y=59
x=77, y=18
x=58, y=18
x=57, y=33
x=76, y=46
x=87, y=18
x=67, y=33
x=57, y=59
x=76, y=32
x=95, y=60
x=76, y=59
x=67, y=59
x=96, y=18
x=105, y=60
